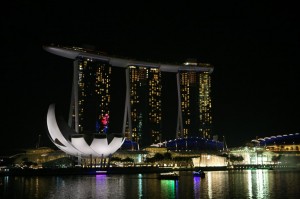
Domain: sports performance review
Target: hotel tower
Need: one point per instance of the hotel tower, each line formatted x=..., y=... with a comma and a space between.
x=194, y=100
x=91, y=107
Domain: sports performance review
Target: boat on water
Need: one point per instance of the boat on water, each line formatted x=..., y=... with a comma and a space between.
x=169, y=176
x=199, y=173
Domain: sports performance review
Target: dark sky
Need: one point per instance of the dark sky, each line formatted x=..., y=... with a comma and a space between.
x=253, y=47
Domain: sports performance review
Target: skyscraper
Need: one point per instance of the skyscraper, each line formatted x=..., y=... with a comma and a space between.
x=205, y=107
x=194, y=95
x=90, y=107
x=145, y=102
x=91, y=96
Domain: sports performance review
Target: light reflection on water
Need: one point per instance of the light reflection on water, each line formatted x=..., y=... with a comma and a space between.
x=216, y=184
x=140, y=186
x=197, y=181
x=168, y=188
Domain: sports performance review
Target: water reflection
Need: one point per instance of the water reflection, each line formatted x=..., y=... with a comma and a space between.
x=101, y=185
x=168, y=188
x=140, y=186
x=262, y=182
x=197, y=184
x=209, y=181
x=216, y=184
x=249, y=177
x=258, y=183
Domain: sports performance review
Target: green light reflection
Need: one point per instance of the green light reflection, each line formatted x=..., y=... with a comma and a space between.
x=168, y=188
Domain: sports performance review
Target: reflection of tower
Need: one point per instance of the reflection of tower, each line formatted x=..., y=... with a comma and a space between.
x=145, y=104
x=194, y=101
x=90, y=96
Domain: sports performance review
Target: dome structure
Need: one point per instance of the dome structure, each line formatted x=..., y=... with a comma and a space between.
x=285, y=139
x=83, y=145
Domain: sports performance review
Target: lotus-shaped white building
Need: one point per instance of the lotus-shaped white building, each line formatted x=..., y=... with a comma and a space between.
x=82, y=145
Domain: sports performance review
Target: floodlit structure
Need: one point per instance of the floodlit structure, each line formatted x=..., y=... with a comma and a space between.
x=91, y=96
x=100, y=145
x=286, y=142
x=209, y=160
x=252, y=156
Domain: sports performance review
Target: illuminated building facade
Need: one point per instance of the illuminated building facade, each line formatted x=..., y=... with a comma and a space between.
x=280, y=143
x=280, y=151
x=145, y=103
x=205, y=105
x=252, y=156
x=194, y=93
x=91, y=96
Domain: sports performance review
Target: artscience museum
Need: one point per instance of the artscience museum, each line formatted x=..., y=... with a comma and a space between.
x=81, y=145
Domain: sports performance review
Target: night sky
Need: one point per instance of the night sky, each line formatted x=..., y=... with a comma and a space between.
x=254, y=49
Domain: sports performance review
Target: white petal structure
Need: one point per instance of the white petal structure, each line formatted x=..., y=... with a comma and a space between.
x=56, y=136
x=102, y=145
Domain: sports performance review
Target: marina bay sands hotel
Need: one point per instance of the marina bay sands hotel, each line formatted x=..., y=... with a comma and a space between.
x=91, y=95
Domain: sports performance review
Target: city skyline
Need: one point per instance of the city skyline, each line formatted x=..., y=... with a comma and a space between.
x=253, y=48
